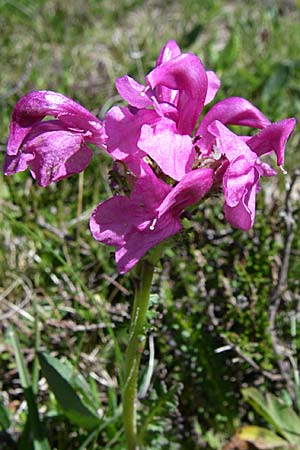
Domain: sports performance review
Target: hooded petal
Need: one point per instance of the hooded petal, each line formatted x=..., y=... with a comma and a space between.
x=169, y=51
x=238, y=176
x=173, y=153
x=186, y=74
x=231, y=111
x=33, y=107
x=51, y=152
x=123, y=129
x=133, y=92
x=234, y=111
x=243, y=214
x=273, y=138
x=214, y=84
x=162, y=93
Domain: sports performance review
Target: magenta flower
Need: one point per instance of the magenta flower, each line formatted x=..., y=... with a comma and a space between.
x=243, y=168
x=162, y=115
x=53, y=149
x=170, y=163
x=150, y=215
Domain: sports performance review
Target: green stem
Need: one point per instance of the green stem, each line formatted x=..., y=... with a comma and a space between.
x=134, y=351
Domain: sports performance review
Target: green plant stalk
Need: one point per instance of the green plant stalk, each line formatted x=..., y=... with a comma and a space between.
x=134, y=351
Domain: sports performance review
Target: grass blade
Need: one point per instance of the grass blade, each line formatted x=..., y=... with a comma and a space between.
x=39, y=439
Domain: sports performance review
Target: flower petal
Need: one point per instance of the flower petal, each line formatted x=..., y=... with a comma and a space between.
x=186, y=74
x=166, y=222
x=188, y=191
x=231, y=111
x=126, y=222
x=16, y=163
x=169, y=51
x=238, y=176
x=229, y=144
x=111, y=220
x=173, y=153
x=162, y=93
x=142, y=239
x=273, y=138
x=123, y=130
x=55, y=153
x=214, y=84
x=151, y=214
x=92, y=130
x=149, y=190
x=133, y=92
x=121, y=214
x=243, y=214
x=264, y=169
x=34, y=106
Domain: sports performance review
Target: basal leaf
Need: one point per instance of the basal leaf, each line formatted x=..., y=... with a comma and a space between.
x=281, y=417
x=262, y=438
x=286, y=418
x=60, y=378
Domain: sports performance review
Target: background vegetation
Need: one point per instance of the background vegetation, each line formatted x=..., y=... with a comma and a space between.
x=225, y=309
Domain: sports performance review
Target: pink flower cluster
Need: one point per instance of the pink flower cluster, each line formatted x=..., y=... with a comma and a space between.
x=173, y=159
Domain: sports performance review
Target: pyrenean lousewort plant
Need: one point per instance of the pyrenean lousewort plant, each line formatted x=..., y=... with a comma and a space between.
x=164, y=159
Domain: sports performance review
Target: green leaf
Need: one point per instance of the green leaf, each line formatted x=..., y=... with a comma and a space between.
x=281, y=417
x=4, y=416
x=25, y=439
x=286, y=417
x=74, y=378
x=67, y=386
x=262, y=438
